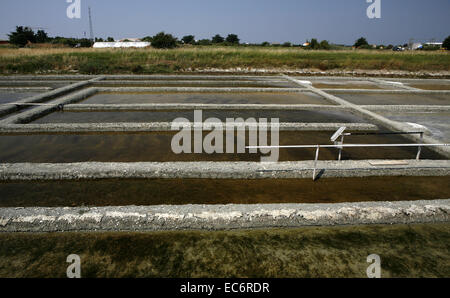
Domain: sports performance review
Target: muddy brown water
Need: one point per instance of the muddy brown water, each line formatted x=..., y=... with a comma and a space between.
x=156, y=147
x=206, y=98
x=431, y=86
x=169, y=116
x=395, y=99
x=145, y=192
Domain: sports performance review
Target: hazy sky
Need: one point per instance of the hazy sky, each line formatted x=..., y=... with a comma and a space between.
x=339, y=21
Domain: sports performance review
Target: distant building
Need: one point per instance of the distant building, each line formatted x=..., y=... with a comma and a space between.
x=4, y=42
x=439, y=44
x=120, y=44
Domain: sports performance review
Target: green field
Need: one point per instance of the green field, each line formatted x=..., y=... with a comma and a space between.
x=405, y=251
x=148, y=61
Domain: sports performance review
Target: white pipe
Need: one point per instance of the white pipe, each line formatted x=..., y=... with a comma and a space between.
x=348, y=146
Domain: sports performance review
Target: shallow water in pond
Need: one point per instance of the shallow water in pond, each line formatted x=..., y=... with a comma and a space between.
x=8, y=97
x=144, y=192
x=437, y=123
x=395, y=99
x=207, y=98
x=345, y=85
x=136, y=147
x=169, y=116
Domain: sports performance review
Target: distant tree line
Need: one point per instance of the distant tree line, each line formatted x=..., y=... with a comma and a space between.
x=314, y=44
x=231, y=39
x=109, y=39
x=163, y=40
x=25, y=35
x=446, y=44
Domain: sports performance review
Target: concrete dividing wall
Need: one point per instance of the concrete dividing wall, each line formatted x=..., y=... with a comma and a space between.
x=25, y=89
x=234, y=83
x=220, y=217
x=398, y=85
x=220, y=170
x=195, y=106
x=47, y=77
x=152, y=126
x=385, y=91
x=189, y=77
x=35, y=83
x=406, y=108
x=198, y=89
x=366, y=78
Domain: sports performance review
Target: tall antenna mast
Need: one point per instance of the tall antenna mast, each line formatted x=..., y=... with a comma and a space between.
x=91, y=28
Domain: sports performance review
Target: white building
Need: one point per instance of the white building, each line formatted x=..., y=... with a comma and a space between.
x=439, y=44
x=120, y=44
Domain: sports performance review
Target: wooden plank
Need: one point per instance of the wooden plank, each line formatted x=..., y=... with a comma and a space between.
x=389, y=163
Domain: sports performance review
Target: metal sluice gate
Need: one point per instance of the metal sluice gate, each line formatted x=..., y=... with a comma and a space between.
x=340, y=145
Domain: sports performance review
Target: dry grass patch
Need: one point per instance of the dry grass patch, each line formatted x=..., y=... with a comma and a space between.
x=405, y=251
x=117, y=61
